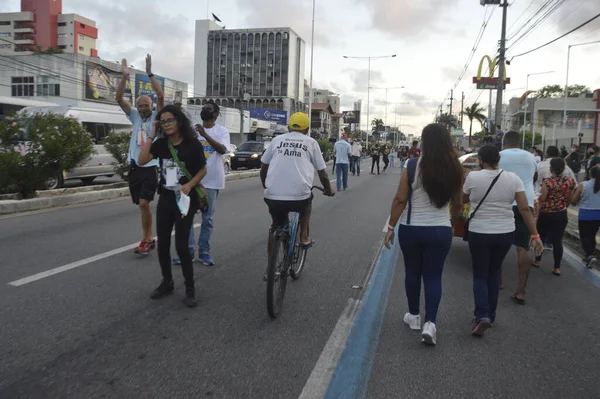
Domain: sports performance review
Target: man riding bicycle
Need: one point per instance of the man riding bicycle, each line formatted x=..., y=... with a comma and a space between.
x=287, y=174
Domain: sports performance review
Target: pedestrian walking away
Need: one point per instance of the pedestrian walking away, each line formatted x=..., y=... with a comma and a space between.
x=215, y=141
x=522, y=163
x=491, y=228
x=428, y=185
x=557, y=194
x=386, y=157
x=356, y=155
x=343, y=153
x=183, y=166
x=142, y=178
x=375, y=157
x=588, y=197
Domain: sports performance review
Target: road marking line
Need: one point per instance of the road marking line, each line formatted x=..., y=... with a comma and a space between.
x=320, y=377
x=73, y=265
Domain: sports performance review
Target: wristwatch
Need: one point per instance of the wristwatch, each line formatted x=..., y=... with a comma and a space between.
x=150, y=75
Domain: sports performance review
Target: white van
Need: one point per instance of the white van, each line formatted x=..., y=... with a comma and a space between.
x=99, y=122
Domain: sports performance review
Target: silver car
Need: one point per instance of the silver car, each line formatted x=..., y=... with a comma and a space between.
x=100, y=164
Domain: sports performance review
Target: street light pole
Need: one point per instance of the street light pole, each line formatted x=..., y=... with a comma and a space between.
x=526, y=106
x=312, y=52
x=566, y=94
x=369, y=84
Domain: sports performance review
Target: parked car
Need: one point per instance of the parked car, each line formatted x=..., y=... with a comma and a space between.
x=248, y=155
x=99, y=164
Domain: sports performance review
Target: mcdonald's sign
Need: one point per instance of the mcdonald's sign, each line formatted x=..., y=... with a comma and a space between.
x=489, y=82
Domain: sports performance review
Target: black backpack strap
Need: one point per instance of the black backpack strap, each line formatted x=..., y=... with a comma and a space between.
x=411, y=169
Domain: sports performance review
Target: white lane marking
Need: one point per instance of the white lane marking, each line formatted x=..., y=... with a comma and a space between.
x=79, y=263
x=319, y=379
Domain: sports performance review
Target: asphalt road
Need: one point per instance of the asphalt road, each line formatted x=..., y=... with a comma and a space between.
x=92, y=331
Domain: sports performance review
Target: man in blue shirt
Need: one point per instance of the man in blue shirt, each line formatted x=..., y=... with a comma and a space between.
x=343, y=151
x=523, y=164
x=142, y=179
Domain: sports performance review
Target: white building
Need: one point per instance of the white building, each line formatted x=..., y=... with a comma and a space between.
x=253, y=68
x=321, y=96
x=545, y=117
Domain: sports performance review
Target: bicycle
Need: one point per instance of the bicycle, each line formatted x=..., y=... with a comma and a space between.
x=285, y=240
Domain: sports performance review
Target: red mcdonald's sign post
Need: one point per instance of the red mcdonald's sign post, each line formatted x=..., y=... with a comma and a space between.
x=489, y=82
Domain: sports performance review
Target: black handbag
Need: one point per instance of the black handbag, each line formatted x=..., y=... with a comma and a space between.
x=466, y=231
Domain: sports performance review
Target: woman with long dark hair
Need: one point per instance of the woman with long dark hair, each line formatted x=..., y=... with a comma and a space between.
x=588, y=196
x=557, y=194
x=491, y=192
x=180, y=155
x=427, y=186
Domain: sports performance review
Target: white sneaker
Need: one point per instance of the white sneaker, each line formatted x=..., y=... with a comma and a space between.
x=592, y=263
x=413, y=321
x=428, y=334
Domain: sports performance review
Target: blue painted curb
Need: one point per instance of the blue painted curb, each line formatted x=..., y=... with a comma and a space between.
x=353, y=372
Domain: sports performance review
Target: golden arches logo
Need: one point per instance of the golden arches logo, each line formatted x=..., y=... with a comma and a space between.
x=489, y=80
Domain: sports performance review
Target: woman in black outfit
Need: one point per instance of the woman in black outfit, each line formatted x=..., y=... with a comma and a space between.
x=178, y=132
x=375, y=156
x=386, y=157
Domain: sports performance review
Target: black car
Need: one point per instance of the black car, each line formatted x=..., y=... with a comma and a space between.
x=248, y=155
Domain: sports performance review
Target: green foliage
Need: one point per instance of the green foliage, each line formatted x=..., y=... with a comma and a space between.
x=557, y=91
x=325, y=146
x=528, y=139
x=447, y=120
x=49, y=50
x=378, y=125
x=36, y=147
x=117, y=144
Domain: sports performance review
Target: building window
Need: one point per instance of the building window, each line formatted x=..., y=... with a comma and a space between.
x=62, y=35
x=48, y=86
x=4, y=23
x=81, y=37
x=62, y=47
x=82, y=26
x=4, y=34
x=81, y=48
x=22, y=86
x=5, y=46
x=62, y=24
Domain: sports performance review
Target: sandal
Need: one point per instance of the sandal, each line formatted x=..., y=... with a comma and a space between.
x=309, y=245
x=536, y=265
x=518, y=300
x=556, y=273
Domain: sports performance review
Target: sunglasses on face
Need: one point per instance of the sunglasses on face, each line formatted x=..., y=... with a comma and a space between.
x=169, y=121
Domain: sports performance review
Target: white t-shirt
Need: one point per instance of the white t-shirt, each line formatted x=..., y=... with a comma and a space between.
x=215, y=171
x=292, y=159
x=495, y=215
x=544, y=173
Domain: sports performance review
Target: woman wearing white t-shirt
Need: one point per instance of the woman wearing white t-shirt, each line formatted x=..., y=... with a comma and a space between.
x=491, y=229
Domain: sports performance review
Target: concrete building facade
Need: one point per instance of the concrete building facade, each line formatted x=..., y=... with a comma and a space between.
x=249, y=68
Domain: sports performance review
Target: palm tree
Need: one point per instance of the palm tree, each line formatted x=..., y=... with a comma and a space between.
x=449, y=121
x=378, y=126
x=474, y=112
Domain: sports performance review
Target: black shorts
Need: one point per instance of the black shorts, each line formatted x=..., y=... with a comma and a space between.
x=279, y=210
x=522, y=235
x=142, y=183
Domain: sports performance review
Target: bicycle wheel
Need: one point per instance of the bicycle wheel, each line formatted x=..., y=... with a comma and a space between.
x=276, y=275
x=299, y=256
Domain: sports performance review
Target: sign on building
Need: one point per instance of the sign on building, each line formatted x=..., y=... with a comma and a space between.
x=143, y=86
x=273, y=115
x=351, y=116
x=101, y=84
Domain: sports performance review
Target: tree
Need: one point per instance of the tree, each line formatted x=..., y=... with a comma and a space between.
x=449, y=121
x=49, y=50
x=117, y=145
x=34, y=148
x=474, y=112
x=557, y=91
x=378, y=126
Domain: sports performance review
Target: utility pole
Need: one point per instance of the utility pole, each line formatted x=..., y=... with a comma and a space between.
x=451, y=99
x=501, y=66
x=462, y=109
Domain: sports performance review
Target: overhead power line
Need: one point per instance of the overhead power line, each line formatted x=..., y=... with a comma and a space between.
x=558, y=38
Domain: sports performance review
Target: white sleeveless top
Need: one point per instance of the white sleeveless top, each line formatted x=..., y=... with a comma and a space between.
x=424, y=212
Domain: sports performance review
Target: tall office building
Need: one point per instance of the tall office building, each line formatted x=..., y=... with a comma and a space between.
x=256, y=68
x=41, y=24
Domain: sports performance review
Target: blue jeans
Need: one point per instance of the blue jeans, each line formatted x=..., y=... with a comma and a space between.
x=341, y=172
x=487, y=254
x=392, y=158
x=206, y=229
x=425, y=249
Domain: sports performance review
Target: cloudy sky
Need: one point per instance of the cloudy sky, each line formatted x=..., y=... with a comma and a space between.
x=432, y=40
